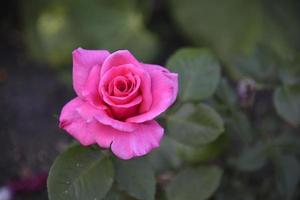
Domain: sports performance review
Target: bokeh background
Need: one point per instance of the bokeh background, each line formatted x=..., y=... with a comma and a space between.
x=257, y=43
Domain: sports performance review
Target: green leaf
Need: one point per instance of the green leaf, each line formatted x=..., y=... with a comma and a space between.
x=287, y=103
x=225, y=94
x=194, y=184
x=114, y=195
x=136, y=177
x=232, y=26
x=195, y=125
x=204, y=153
x=80, y=173
x=238, y=126
x=199, y=73
x=290, y=72
x=261, y=65
x=54, y=28
x=289, y=175
x=251, y=158
x=165, y=157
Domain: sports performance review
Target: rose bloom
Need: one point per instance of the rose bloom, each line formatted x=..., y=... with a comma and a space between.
x=117, y=100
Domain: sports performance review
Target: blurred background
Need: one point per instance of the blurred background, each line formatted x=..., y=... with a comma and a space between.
x=257, y=43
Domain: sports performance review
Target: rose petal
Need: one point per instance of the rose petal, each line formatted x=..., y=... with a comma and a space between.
x=139, y=142
x=132, y=93
x=83, y=62
x=90, y=91
x=137, y=100
x=125, y=145
x=120, y=85
x=88, y=113
x=117, y=58
x=123, y=112
x=73, y=123
x=164, y=91
x=119, y=111
x=128, y=145
x=122, y=70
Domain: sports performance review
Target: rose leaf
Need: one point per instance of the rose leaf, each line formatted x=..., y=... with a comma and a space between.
x=80, y=173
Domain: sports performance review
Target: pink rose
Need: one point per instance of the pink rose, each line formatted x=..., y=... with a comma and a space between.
x=118, y=98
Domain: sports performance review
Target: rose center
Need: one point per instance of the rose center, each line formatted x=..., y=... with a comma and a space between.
x=121, y=85
x=121, y=92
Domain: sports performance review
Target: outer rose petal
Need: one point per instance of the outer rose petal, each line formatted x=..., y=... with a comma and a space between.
x=164, y=91
x=83, y=61
x=90, y=90
x=73, y=123
x=138, y=143
x=125, y=145
x=89, y=113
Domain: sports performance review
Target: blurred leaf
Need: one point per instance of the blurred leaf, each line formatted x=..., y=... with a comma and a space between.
x=165, y=157
x=207, y=152
x=199, y=73
x=289, y=175
x=136, y=177
x=80, y=173
x=238, y=126
x=194, y=184
x=54, y=28
x=290, y=72
x=195, y=125
x=287, y=103
x=251, y=158
x=261, y=65
x=114, y=195
x=282, y=26
x=229, y=26
x=48, y=33
x=225, y=94
x=113, y=25
x=287, y=143
x=233, y=188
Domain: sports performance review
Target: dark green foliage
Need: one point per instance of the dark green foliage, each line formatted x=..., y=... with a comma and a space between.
x=199, y=73
x=80, y=173
x=136, y=177
x=233, y=132
x=195, y=184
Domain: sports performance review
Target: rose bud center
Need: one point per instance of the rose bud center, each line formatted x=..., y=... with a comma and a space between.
x=121, y=92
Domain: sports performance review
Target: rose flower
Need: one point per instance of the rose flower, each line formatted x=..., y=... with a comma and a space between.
x=117, y=100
